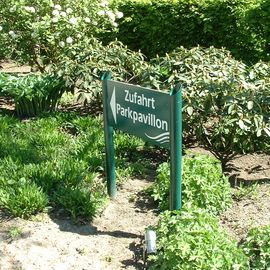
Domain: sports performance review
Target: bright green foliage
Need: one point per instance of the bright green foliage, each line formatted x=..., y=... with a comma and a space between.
x=84, y=64
x=255, y=28
x=203, y=184
x=22, y=198
x=33, y=94
x=226, y=103
x=238, y=25
x=59, y=162
x=192, y=239
x=257, y=247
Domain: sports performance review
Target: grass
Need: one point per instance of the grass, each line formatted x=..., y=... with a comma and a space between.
x=57, y=162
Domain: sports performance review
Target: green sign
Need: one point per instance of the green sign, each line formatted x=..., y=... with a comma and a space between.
x=139, y=111
x=149, y=114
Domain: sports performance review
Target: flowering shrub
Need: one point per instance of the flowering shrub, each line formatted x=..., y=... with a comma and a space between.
x=41, y=31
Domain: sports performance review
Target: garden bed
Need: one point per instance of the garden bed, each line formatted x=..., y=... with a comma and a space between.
x=114, y=239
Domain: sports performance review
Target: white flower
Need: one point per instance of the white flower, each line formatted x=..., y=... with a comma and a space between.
x=115, y=24
x=30, y=9
x=94, y=23
x=1, y=28
x=119, y=14
x=63, y=14
x=58, y=7
x=69, y=40
x=12, y=9
x=101, y=13
x=104, y=3
x=111, y=15
x=87, y=20
x=54, y=19
x=12, y=34
x=79, y=36
x=56, y=13
x=73, y=20
x=62, y=44
x=69, y=11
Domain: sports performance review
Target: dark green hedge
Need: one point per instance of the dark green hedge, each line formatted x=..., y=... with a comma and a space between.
x=157, y=27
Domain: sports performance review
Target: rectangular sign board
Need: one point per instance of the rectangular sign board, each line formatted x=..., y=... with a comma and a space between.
x=139, y=111
x=148, y=114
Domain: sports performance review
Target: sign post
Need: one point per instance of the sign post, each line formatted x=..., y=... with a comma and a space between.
x=152, y=115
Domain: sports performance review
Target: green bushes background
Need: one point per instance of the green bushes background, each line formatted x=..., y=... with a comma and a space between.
x=157, y=27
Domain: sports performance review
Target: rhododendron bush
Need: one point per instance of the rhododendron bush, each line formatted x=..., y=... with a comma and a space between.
x=42, y=31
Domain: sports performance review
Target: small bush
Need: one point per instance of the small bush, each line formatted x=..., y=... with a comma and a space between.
x=81, y=201
x=23, y=199
x=33, y=94
x=203, y=184
x=257, y=247
x=192, y=239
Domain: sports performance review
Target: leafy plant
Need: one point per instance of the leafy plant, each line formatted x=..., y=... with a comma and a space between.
x=257, y=247
x=80, y=201
x=33, y=94
x=23, y=199
x=203, y=184
x=59, y=156
x=86, y=62
x=192, y=239
x=41, y=32
x=226, y=104
x=15, y=232
x=237, y=25
x=243, y=191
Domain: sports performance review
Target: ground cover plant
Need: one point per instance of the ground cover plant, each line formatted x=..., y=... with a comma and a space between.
x=192, y=239
x=203, y=184
x=56, y=161
x=256, y=246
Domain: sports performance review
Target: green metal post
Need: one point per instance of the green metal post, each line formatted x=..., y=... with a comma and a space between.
x=108, y=130
x=176, y=148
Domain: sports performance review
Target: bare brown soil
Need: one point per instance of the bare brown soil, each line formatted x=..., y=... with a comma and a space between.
x=114, y=240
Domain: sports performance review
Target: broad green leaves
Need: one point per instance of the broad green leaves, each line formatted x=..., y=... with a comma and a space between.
x=226, y=103
x=203, y=185
x=192, y=239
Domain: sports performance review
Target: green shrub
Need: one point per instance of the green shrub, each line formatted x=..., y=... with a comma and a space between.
x=203, y=184
x=226, y=103
x=83, y=200
x=33, y=94
x=86, y=62
x=23, y=199
x=255, y=25
x=257, y=247
x=41, y=32
x=190, y=23
x=193, y=239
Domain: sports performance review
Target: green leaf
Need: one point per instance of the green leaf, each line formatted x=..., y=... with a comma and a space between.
x=250, y=104
x=241, y=124
x=190, y=110
x=267, y=131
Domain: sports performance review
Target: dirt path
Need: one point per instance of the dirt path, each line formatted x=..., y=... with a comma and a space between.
x=113, y=241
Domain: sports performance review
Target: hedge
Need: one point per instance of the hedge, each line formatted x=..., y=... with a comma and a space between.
x=158, y=27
